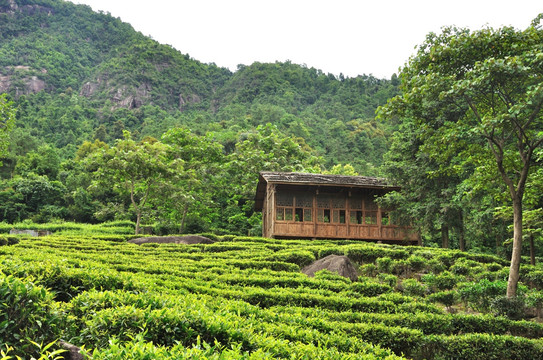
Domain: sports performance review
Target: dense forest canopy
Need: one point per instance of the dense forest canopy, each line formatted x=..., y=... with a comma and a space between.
x=85, y=85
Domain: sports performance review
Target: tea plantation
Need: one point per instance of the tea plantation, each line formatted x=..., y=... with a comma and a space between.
x=246, y=298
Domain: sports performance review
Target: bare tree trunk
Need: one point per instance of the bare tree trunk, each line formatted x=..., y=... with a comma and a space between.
x=138, y=220
x=532, y=250
x=183, y=218
x=444, y=236
x=461, y=239
x=514, y=270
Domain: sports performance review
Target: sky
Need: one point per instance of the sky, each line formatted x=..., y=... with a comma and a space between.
x=352, y=37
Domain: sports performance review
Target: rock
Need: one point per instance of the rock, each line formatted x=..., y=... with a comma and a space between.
x=341, y=265
x=186, y=240
x=73, y=351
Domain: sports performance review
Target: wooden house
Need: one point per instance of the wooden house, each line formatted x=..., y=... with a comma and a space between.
x=300, y=205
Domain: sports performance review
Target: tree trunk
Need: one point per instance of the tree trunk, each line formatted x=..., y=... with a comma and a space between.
x=514, y=270
x=532, y=250
x=444, y=236
x=461, y=239
x=138, y=219
x=182, y=226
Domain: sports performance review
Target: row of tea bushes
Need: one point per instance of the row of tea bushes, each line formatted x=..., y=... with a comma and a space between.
x=246, y=298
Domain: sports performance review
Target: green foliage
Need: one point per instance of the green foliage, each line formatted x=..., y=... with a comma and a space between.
x=447, y=298
x=7, y=122
x=440, y=282
x=458, y=136
x=27, y=316
x=247, y=295
x=480, y=295
x=513, y=308
x=412, y=287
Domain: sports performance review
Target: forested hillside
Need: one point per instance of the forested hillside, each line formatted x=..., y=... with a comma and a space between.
x=80, y=75
x=79, y=81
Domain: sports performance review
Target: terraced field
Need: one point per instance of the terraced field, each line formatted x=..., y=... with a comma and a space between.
x=247, y=298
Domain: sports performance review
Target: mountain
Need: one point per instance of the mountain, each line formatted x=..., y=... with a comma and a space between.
x=78, y=75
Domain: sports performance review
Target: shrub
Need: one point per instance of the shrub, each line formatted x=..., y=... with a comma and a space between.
x=383, y=264
x=416, y=263
x=493, y=267
x=368, y=270
x=535, y=299
x=443, y=281
x=435, y=266
x=460, y=269
x=513, y=307
x=369, y=288
x=399, y=267
x=479, y=295
x=26, y=315
x=447, y=298
x=390, y=280
x=412, y=287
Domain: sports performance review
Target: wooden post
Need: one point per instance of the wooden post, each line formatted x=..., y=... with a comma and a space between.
x=315, y=213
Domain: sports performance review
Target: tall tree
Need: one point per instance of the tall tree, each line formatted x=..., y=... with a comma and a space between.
x=7, y=121
x=486, y=91
x=192, y=191
x=136, y=168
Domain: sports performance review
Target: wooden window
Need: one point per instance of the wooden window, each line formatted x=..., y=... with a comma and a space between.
x=338, y=216
x=323, y=215
x=280, y=214
x=370, y=218
x=338, y=202
x=355, y=202
x=370, y=211
x=304, y=200
x=299, y=214
x=288, y=214
x=284, y=199
x=308, y=215
x=355, y=217
x=294, y=206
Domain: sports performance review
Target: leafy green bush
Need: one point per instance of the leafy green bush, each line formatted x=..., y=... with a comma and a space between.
x=443, y=281
x=479, y=295
x=26, y=315
x=447, y=298
x=369, y=288
x=416, y=263
x=383, y=264
x=412, y=287
x=388, y=279
x=435, y=266
x=534, y=298
x=513, y=308
x=368, y=270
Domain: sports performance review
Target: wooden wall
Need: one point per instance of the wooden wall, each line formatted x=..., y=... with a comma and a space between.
x=340, y=213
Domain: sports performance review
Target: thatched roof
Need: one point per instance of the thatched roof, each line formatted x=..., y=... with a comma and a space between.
x=293, y=178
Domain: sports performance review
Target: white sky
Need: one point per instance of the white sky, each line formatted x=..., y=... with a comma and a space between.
x=352, y=37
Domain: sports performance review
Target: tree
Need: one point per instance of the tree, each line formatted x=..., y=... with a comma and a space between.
x=7, y=121
x=265, y=149
x=428, y=199
x=136, y=168
x=193, y=189
x=481, y=93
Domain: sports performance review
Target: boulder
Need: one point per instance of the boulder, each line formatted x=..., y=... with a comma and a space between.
x=72, y=351
x=341, y=265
